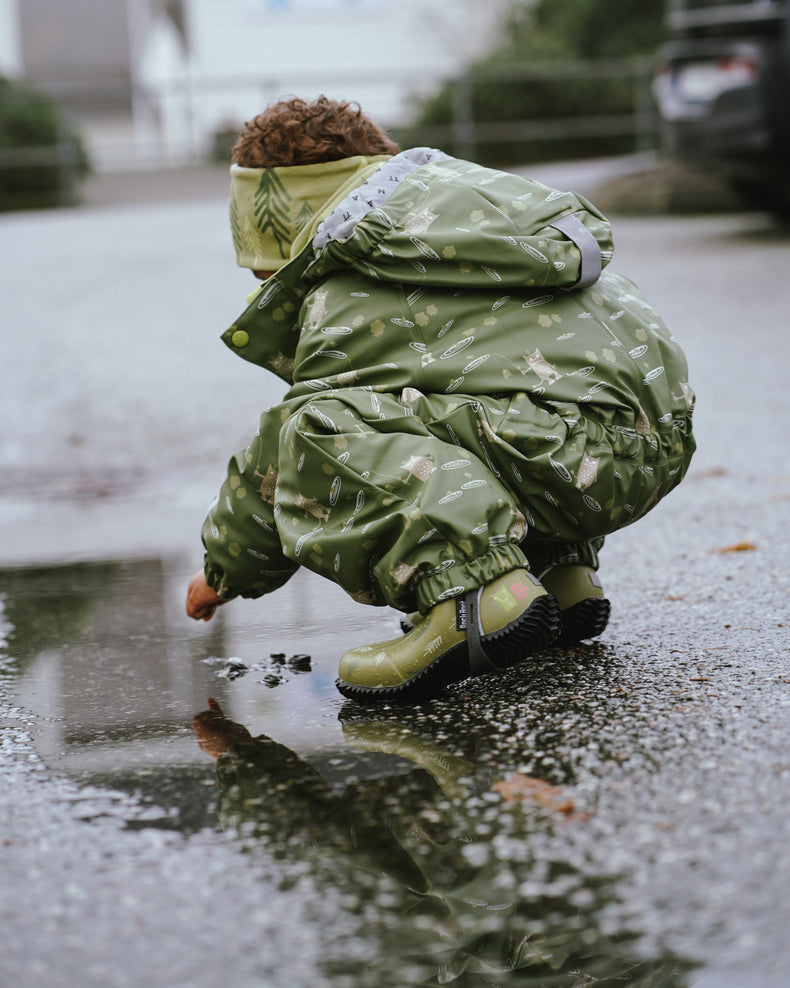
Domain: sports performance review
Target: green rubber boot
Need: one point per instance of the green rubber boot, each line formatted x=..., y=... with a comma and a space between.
x=583, y=606
x=485, y=630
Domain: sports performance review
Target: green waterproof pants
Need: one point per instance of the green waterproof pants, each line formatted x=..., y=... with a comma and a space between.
x=410, y=499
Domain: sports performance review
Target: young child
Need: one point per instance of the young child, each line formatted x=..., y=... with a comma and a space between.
x=475, y=399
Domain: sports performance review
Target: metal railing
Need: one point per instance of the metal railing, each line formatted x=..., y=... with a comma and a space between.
x=468, y=133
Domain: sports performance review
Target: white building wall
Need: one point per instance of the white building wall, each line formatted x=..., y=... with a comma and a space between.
x=245, y=53
x=10, y=42
x=235, y=56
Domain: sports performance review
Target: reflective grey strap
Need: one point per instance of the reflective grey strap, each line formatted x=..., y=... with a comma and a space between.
x=373, y=192
x=479, y=662
x=575, y=230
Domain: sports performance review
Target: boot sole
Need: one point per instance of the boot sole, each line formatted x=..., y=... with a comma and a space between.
x=533, y=631
x=587, y=619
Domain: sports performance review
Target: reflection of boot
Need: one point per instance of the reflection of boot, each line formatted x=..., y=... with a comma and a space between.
x=485, y=630
x=585, y=610
x=392, y=739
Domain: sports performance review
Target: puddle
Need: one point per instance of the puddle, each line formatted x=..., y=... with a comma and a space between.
x=422, y=845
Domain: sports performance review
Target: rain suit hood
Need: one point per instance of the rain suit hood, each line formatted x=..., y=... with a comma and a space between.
x=425, y=218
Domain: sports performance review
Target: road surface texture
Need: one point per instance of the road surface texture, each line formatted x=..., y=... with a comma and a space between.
x=619, y=811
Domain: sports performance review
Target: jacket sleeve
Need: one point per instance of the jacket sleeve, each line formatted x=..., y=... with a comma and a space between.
x=511, y=233
x=243, y=552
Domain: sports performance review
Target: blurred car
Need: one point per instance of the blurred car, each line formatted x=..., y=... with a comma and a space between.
x=722, y=86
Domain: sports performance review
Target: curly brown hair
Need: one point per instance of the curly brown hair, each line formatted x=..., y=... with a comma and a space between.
x=301, y=132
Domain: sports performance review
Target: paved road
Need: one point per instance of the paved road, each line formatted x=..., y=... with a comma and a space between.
x=670, y=738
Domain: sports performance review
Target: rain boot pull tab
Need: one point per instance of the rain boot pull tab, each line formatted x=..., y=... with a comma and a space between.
x=468, y=618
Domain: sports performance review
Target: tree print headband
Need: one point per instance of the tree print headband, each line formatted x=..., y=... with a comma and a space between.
x=274, y=212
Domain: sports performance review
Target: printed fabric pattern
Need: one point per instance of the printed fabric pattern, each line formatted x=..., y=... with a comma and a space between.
x=458, y=404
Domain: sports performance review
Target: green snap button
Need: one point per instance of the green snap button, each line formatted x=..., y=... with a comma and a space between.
x=240, y=338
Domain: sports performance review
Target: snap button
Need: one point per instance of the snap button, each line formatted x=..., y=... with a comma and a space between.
x=240, y=338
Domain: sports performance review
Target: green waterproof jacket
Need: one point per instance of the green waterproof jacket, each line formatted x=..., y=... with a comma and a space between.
x=467, y=379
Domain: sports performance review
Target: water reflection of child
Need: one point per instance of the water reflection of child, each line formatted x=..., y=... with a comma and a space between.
x=476, y=400
x=443, y=912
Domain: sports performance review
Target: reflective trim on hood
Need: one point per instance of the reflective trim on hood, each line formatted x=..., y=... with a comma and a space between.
x=373, y=192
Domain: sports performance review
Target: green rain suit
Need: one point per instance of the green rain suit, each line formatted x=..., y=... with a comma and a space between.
x=472, y=390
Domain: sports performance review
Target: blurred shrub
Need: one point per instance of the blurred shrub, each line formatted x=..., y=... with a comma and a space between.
x=525, y=118
x=557, y=66
x=42, y=160
x=222, y=142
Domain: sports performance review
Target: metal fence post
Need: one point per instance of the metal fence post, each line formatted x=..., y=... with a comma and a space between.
x=645, y=117
x=463, y=118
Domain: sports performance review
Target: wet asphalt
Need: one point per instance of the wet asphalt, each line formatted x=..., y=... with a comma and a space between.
x=619, y=811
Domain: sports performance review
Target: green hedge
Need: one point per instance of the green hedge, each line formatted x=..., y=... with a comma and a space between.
x=568, y=79
x=524, y=115
x=42, y=159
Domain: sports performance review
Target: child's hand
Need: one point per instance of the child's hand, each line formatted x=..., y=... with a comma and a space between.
x=202, y=601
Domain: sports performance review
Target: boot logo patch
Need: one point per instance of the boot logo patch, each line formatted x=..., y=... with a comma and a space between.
x=505, y=599
x=461, y=615
x=519, y=590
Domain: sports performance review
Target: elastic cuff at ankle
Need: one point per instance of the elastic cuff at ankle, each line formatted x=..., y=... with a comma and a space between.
x=466, y=575
x=543, y=554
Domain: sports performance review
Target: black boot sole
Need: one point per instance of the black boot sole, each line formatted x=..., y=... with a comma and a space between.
x=587, y=619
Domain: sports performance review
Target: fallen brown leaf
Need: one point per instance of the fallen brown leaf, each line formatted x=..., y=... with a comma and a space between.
x=705, y=474
x=737, y=547
x=525, y=789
